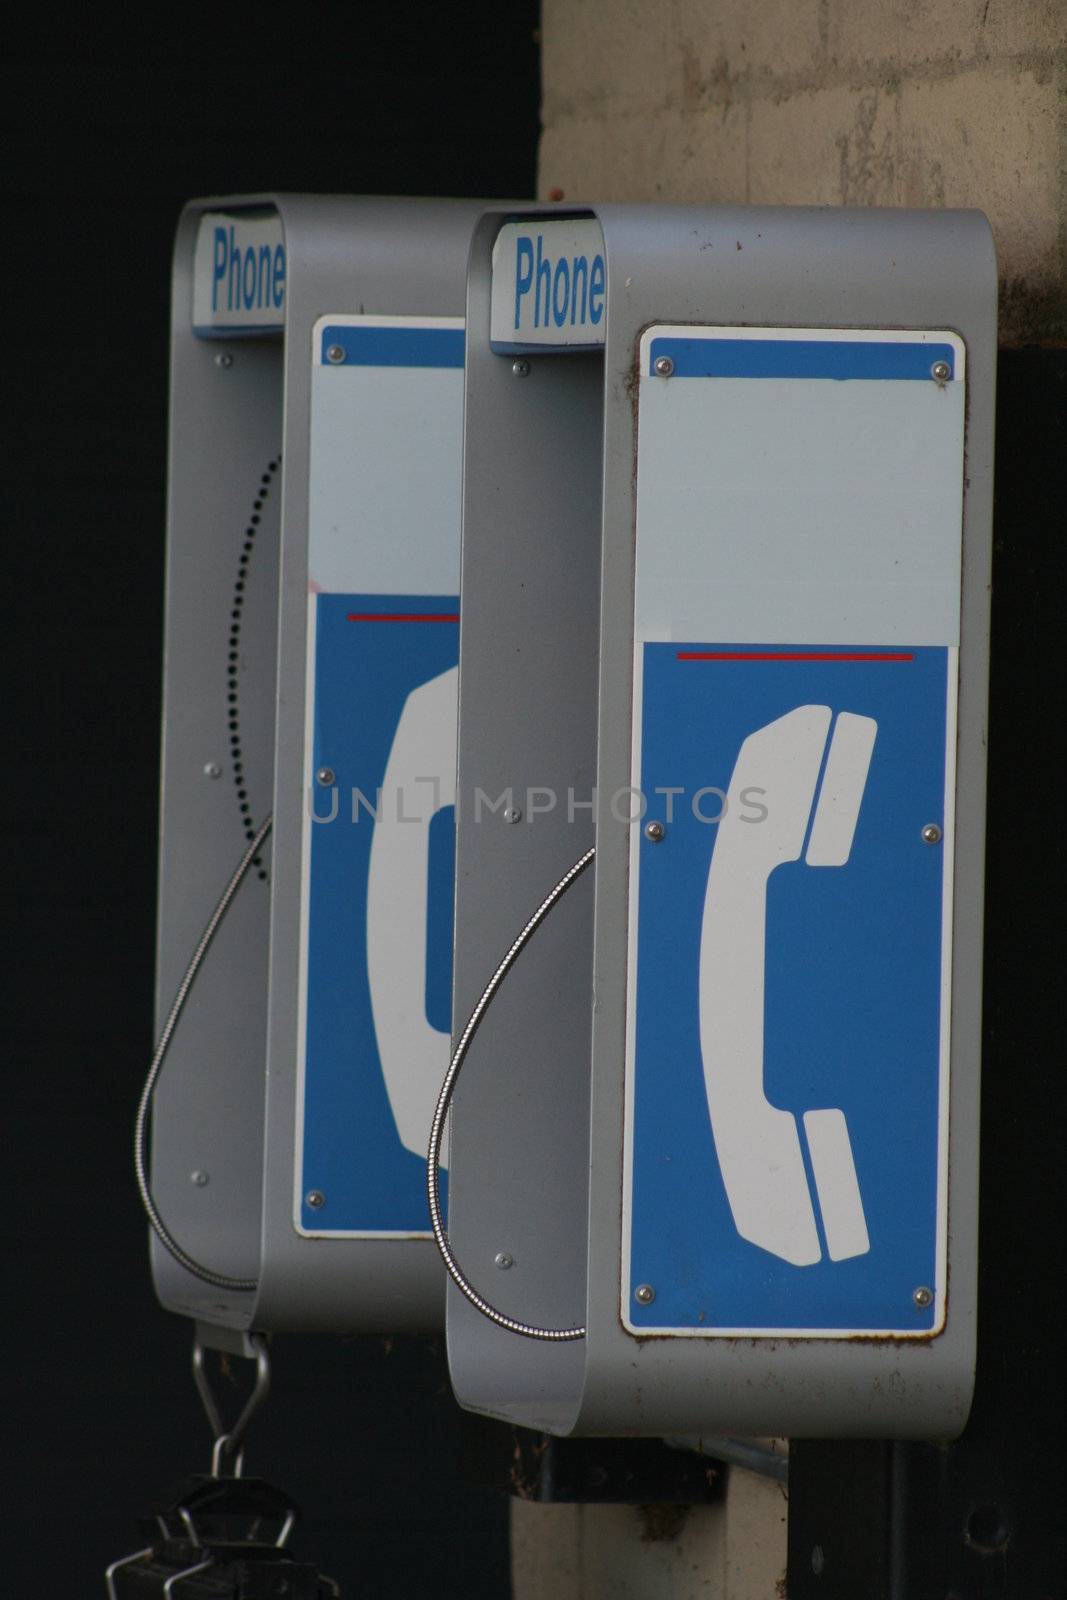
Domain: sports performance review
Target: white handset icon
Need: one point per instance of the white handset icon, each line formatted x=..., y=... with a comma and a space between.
x=413, y=1053
x=758, y=1145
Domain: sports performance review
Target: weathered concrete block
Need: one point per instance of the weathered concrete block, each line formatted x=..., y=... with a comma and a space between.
x=662, y=156
x=936, y=36
x=732, y=1551
x=834, y=102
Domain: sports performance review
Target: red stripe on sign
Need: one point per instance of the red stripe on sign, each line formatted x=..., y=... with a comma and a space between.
x=402, y=616
x=792, y=655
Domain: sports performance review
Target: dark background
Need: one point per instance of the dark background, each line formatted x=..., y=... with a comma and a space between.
x=105, y=133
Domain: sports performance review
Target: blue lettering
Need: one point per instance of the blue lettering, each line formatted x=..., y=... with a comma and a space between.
x=523, y=252
x=559, y=307
x=278, y=280
x=596, y=290
x=218, y=264
x=566, y=289
x=263, y=277
x=580, y=270
x=249, y=284
x=546, y=268
x=233, y=281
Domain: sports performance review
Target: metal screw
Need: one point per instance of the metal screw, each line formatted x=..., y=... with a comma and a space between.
x=644, y=1294
x=941, y=372
x=663, y=366
x=212, y=769
x=818, y=1560
x=224, y=359
x=199, y=1178
x=655, y=831
x=923, y=1296
x=931, y=833
x=521, y=369
x=315, y=1199
x=335, y=354
x=503, y=1260
x=513, y=814
x=326, y=776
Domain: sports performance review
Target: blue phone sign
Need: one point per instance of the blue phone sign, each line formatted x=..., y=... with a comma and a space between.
x=787, y=1075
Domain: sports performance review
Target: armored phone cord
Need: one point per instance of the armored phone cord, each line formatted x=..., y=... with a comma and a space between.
x=218, y=1280
x=444, y=1100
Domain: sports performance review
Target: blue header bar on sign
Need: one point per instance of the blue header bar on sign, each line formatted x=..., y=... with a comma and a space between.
x=800, y=358
x=365, y=346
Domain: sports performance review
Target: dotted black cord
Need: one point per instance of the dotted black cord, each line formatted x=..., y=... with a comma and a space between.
x=232, y=702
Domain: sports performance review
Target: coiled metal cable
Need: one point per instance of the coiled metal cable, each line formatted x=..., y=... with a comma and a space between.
x=218, y=1280
x=444, y=1100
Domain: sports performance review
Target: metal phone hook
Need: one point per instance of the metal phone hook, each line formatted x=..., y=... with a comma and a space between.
x=528, y=1330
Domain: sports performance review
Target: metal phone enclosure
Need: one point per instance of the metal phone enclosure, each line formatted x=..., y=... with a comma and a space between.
x=310, y=671
x=726, y=552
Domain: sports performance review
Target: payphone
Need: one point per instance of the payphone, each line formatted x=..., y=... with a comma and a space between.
x=720, y=818
x=309, y=759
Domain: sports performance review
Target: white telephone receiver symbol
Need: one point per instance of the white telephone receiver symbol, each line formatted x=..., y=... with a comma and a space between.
x=758, y=1145
x=413, y=1053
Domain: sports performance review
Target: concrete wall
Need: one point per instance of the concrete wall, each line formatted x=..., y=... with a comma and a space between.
x=732, y=1551
x=824, y=102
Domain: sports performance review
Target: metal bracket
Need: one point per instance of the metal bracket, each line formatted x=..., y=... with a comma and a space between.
x=228, y=1441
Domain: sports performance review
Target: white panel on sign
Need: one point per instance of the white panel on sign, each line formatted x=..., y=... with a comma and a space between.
x=549, y=285
x=869, y=469
x=239, y=273
x=387, y=440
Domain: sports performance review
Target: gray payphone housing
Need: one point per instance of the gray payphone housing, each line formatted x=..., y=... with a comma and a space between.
x=292, y=360
x=772, y=453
